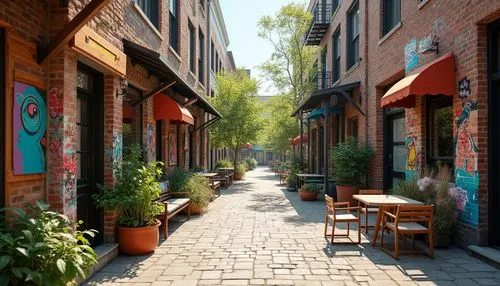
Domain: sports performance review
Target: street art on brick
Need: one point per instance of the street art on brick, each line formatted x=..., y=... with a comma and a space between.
x=466, y=154
x=29, y=126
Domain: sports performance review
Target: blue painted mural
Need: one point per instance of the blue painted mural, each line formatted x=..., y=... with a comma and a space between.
x=29, y=117
x=411, y=55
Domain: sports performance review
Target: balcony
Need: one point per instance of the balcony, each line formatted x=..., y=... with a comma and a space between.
x=323, y=79
x=321, y=21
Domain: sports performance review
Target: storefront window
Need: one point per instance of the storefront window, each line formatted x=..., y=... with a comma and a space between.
x=440, y=132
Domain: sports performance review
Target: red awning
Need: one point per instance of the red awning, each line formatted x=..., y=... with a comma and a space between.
x=296, y=140
x=435, y=78
x=166, y=108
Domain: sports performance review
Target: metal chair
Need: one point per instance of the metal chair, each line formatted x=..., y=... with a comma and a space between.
x=332, y=214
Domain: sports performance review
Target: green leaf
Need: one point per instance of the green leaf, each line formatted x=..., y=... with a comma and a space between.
x=61, y=265
x=23, y=251
x=4, y=261
x=70, y=272
x=17, y=272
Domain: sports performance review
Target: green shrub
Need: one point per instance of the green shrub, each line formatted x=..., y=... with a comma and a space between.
x=297, y=166
x=240, y=169
x=199, y=190
x=43, y=249
x=177, y=179
x=311, y=188
x=351, y=160
x=135, y=191
x=224, y=164
x=251, y=162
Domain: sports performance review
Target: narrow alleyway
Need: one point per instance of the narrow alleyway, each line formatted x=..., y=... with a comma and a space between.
x=256, y=233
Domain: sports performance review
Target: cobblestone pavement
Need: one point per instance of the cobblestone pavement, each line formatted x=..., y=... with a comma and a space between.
x=258, y=234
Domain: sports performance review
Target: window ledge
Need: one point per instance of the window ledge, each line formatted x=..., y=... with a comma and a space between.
x=192, y=74
x=146, y=19
x=351, y=69
x=200, y=85
x=336, y=82
x=389, y=34
x=174, y=52
x=422, y=4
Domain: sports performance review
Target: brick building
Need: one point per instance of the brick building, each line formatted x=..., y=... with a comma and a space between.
x=82, y=79
x=428, y=85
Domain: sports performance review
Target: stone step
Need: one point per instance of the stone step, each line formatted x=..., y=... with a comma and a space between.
x=105, y=254
x=488, y=254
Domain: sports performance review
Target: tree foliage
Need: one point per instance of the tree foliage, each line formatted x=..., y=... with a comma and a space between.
x=291, y=62
x=236, y=101
x=279, y=128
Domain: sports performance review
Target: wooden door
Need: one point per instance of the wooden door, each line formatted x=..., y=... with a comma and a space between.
x=89, y=124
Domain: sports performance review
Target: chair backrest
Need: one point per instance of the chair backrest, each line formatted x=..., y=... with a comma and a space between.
x=330, y=204
x=165, y=191
x=407, y=213
x=371, y=192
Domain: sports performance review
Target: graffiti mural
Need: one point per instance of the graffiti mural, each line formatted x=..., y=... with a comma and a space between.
x=71, y=168
x=466, y=155
x=412, y=151
x=114, y=153
x=411, y=55
x=29, y=126
x=172, y=146
x=150, y=142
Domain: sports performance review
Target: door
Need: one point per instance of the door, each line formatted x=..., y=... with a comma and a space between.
x=494, y=133
x=395, y=148
x=321, y=150
x=2, y=124
x=89, y=125
x=313, y=151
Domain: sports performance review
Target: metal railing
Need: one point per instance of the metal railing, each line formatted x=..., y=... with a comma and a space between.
x=322, y=79
x=321, y=12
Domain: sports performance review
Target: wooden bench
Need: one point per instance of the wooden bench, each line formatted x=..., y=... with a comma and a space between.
x=224, y=178
x=172, y=205
x=283, y=176
x=215, y=186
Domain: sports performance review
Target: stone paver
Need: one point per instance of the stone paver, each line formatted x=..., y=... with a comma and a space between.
x=256, y=233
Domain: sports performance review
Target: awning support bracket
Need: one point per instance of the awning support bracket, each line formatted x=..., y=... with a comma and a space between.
x=207, y=124
x=153, y=92
x=349, y=98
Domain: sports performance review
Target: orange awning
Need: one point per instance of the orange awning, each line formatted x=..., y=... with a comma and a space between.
x=166, y=108
x=435, y=78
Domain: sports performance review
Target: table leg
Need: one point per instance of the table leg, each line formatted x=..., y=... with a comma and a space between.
x=377, y=225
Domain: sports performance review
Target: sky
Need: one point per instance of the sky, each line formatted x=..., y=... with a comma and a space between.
x=249, y=51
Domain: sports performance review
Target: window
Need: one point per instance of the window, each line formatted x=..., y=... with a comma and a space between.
x=353, y=35
x=352, y=126
x=391, y=16
x=336, y=56
x=150, y=9
x=440, y=131
x=192, y=47
x=201, y=56
x=324, y=75
x=216, y=62
x=335, y=4
x=174, y=24
x=212, y=56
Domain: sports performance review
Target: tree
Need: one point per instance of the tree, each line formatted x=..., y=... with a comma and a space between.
x=238, y=106
x=291, y=62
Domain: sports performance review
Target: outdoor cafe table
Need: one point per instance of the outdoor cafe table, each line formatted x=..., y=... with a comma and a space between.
x=304, y=177
x=382, y=201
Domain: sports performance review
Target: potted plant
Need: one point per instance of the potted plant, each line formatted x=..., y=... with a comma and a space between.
x=309, y=192
x=239, y=172
x=43, y=248
x=445, y=208
x=199, y=192
x=177, y=179
x=351, y=160
x=224, y=164
x=252, y=163
x=134, y=197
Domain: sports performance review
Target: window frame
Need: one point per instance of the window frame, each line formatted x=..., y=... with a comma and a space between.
x=201, y=56
x=391, y=9
x=435, y=103
x=173, y=21
x=353, y=126
x=192, y=47
x=147, y=7
x=336, y=55
x=353, y=40
x=212, y=55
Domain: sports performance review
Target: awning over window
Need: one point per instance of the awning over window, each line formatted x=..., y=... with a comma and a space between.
x=319, y=112
x=435, y=78
x=165, y=108
x=296, y=140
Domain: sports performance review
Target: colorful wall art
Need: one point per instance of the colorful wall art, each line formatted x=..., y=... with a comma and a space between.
x=28, y=126
x=172, y=146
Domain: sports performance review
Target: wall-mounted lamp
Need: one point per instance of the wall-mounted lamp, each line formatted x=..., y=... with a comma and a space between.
x=123, y=87
x=433, y=47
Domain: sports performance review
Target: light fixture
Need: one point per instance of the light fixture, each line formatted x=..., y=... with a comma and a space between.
x=433, y=47
x=123, y=87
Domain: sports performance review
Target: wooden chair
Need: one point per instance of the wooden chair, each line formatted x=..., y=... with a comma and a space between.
x=332, y=214
x=408, y=220
x=368, y=209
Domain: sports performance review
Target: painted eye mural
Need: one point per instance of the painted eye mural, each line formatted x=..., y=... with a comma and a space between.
x=29, y=125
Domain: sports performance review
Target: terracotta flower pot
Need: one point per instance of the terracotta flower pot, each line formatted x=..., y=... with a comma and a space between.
x=195, y=209
x=139, y=240
x=238, y=176
x=345, y=193
x=307, y=196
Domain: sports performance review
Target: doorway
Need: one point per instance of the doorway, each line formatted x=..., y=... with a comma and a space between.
x=89, y=125
x=494, y=133
x=394, y=148
x=2, y=125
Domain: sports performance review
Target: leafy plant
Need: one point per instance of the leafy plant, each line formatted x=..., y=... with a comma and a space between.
x=251, y=162
x=311, y=188
x=178, y=179
x=351, y=160
x=199, y=169
x=224, y=164
x=240, y=169
x=297, y=166
x=411, y=189
x=135, y=192
x=199, y=190
x=43, y=248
